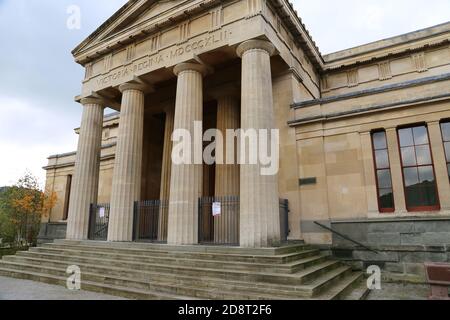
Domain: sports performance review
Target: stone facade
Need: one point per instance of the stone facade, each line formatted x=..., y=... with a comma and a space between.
x=159, y=60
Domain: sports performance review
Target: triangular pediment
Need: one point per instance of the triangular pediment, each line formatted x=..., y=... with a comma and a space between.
x=134, y=14
x=143, y=15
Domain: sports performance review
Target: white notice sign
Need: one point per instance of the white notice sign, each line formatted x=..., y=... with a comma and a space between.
x=101, y=212
x=216, y=209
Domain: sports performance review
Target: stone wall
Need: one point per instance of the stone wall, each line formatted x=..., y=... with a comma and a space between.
x=52, y=231
x=404, y=245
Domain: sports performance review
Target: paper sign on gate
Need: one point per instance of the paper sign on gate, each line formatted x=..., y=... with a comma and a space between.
x=101, y=212
x=216, y=209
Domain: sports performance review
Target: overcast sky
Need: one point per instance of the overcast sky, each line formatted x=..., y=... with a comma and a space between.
x=38, y=78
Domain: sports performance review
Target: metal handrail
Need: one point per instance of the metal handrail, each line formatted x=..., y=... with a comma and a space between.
x=346, y=237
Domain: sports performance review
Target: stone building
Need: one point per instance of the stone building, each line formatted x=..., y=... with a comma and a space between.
x=364, y=132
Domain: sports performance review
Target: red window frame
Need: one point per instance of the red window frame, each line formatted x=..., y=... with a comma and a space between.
x=436, y=207
x=444, y=141
x=377, y=169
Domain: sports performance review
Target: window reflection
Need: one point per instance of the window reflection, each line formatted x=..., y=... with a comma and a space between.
x=383, y=172
x=445, y=126
x=418, y=172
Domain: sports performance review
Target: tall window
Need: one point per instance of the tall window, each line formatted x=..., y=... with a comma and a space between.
x=418, y=170
x=67, y=197
x=383, y=172
x=445, y=126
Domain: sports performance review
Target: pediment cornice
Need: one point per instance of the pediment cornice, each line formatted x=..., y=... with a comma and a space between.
x=130, y=24
x=135, y=21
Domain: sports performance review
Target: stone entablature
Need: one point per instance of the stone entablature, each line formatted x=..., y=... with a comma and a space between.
x=395, y=69
x=205, y=26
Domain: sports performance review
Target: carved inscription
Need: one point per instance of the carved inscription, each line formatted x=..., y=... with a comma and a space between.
x=161, y=59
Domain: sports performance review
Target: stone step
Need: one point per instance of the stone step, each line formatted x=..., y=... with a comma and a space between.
x=109, y=266
x=342, y=288
x=124, y=292
x=285, y=249
x=360, y=291
x=152, y=271
x=86, y=256
x=222, y=254
x=200, y=288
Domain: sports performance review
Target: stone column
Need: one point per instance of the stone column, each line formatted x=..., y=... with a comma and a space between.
x=126, y=187
x=396, y=171
x=87, y=166
x=440, y=164
x=259, y=200
x=165, y=176
x=186, y=179
x=226, y=226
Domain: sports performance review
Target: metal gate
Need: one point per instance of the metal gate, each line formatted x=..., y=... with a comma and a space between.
x=284, y=220
x=230, y=208
x=148, y=220
x=98, y=222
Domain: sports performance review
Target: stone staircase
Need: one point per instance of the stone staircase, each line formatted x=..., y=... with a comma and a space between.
x=152, y=271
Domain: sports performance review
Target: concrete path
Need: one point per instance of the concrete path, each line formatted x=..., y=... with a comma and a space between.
x=397, y=291
x=14, y=289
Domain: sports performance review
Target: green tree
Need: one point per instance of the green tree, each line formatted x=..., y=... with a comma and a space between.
x=23, y=207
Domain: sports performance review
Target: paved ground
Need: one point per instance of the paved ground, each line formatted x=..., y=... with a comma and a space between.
x=393, y=291
x=13, y=289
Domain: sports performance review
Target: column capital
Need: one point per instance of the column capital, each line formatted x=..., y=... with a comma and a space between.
x=135, y=86
x=204, y=70
x=93, y=100
x=256, y=44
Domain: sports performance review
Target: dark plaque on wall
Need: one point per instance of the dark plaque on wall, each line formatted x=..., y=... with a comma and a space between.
x=308, y=181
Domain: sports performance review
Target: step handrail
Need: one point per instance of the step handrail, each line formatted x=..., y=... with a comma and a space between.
x=346, y=237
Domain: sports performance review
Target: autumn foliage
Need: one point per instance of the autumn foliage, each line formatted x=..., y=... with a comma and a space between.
x=24, y=205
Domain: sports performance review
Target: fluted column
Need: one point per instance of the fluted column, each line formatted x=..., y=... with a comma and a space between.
x=226, y=226
x=259, y=200
x=165, y=176
x=126, y=187
x=87, y=165
x=186, y=179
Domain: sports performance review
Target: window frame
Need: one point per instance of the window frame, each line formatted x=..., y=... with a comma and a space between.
x=376, y=169
x=437, y=207
x=447, y=162
x=69, y=180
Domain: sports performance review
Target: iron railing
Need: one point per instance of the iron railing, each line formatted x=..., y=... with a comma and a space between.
x=151, y=217
x=346, y=237
x=211, y=231
x=99, y=221
x=150, y=220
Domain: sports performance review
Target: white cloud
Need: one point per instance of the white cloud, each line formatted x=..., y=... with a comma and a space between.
x=338, y=25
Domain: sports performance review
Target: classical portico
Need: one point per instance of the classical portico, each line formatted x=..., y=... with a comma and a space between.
x=209, y=72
